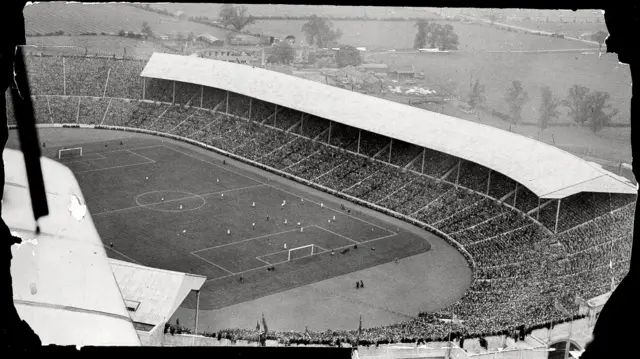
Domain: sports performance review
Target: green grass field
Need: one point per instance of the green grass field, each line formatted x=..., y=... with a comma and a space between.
x=101, y=45
x=164, y=206
x=400, y=35
x=75, y=19
x=560, y=71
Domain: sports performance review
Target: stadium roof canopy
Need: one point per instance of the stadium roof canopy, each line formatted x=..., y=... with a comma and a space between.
x=547, y=171
x=63, y=286
x=153, y=294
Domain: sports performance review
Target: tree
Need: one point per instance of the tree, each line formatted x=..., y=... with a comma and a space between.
x=291, y=39
x=477, y=95
x=596, y=105
x=599, y=37
x=235, y=16
x=420, y=41
x=320, y=32
x=283, y=53
x=348, y=56
x=577, y=103
x=516, y=97
x=146, y=29
x=548, y=107
x=435, y=35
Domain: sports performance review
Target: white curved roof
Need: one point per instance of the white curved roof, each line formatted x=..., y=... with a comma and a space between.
x=547, y=171
x=63, y=285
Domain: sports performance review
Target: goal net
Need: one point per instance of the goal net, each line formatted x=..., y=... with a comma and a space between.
x=303, y=251
x=70, y=152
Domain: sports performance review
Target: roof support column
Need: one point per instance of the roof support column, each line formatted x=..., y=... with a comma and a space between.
x=144, y=87
x=275, y=116
x=195, y=332
x=302, y=123
x=359, y=135
x=458, y=175
x=173, y=100
x=489, y=181
x=329, y=139
x=424, y=153
x=390, y=149
x=515, y=195
x=538, y=211
x=227, y=107
x=201, y=96
x=555, y=230
x=250, y=102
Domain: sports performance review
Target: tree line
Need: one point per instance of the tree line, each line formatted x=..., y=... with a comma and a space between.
x=585, y=107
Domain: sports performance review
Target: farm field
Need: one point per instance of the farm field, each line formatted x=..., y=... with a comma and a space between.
x=560, y=71
x=400, y=35
x=104, y=45
x=568, y=29
x=212, y=10
x=75, y=19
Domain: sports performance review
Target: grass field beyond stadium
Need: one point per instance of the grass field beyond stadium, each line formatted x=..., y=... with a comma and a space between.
x=167, y=207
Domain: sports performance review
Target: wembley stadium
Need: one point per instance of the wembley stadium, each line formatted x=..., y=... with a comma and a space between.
x=267, y=184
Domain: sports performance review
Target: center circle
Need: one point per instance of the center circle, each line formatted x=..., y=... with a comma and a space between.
x=169, y=201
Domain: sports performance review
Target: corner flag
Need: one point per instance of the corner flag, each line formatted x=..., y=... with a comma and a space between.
x=359, y=331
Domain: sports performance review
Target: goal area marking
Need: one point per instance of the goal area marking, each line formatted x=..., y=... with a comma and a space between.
x=312, y=246
x=72, y=152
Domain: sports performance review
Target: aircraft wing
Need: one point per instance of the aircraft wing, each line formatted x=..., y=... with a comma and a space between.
x=63, y=285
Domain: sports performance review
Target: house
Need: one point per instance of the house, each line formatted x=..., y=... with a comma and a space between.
x=404, y=72
x=242, y=39
x=301, y=55
x=378, y=69
x=210, y=39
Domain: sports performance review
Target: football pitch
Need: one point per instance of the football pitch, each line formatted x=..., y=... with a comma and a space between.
x=170, y=207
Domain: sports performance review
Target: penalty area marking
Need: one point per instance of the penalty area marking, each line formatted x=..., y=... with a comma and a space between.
x=215, y=265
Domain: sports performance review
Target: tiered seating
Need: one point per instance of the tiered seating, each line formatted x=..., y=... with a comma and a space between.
x=372, y=143
x=195, y=123
x=158, y=90
x=286, y=118
x=46, y=75
x=318, y=164
x=92, y=110
x=500, y=185
x=174, y=115
x=473, y=215
x=520, y=267
x=344, y=136
x=312, y=126
x=353, y=171
x=125, y=80
x=525, y=199
x=290, y=154
x=64, y=109
x=437, y=164
x=145, y=113
x=446, y=205
x=188, y=94
x=263, y=139
x=86, y=76
x=11, y=116
x=507, y=221
x=119, y=112
x=402, y=153
x=260, y=110
x=40, y=109
x=474, y=176
x=213, y=97
x=377, y=186
x=238, y=105
x=415, y=195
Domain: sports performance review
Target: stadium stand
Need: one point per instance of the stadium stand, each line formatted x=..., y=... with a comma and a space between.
x=521, y=260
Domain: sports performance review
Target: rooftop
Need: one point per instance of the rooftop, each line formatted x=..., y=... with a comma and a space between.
x=547, y=171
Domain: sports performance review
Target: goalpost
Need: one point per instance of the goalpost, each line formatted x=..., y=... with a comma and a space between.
x=303, y=251
x=70, y=152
